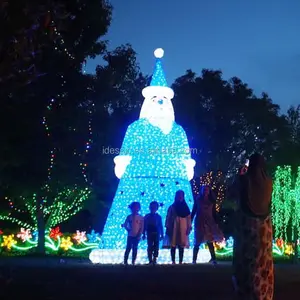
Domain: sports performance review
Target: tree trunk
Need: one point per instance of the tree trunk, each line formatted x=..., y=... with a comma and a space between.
x=41, y=227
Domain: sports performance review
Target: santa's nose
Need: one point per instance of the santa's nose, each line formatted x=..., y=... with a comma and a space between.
x=160, y=101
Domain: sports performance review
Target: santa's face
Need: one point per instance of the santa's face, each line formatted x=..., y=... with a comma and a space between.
x=158, y=109
x=161, y=108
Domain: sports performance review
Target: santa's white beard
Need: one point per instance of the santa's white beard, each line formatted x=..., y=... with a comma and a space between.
x=164, y=124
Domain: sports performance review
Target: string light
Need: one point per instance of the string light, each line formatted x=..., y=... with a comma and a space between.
x=279, y=249
x=282, y=204
x=84, y=67
x=8, y=241
x=296, y=215
x=55, y=242
x=110, y=256
x=153, y=164
x=24, y=234
x=66, y=204
x=60, y=45
x=66, y=243
x=217, y=185
x=88, y=145
x=80, y=237
x=93, y=237
x=52, y=152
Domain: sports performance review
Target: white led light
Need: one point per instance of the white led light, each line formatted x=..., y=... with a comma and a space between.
x=121, y=163
x=190, y=164
x=153, y=164
x=151, y=91
x=159, y=53
x=247, y=163
x=112, y=256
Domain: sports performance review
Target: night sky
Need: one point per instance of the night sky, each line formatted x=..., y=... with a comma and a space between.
x=255, y=40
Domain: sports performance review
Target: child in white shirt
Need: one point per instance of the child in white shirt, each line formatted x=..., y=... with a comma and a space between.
x=134, y=224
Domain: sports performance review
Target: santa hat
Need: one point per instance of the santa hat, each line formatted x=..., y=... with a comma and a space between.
x=158, y=85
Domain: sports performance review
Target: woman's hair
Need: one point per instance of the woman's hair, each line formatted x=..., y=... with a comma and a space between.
x=256, y=162
x=133, y=204
x=154, y=203
x=203, y=188
x=179, y=192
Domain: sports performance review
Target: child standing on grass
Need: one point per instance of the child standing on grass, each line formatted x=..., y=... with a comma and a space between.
x=134, y=224
x=153, y=228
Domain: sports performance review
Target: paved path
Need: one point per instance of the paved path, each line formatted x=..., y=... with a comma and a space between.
x=78, y=279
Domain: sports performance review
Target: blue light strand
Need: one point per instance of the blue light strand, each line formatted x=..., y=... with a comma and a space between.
x=156, y=172
x=158, y=77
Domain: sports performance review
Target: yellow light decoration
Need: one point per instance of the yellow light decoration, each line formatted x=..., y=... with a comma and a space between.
x=66, y=243
x=289, y=249
x=216, y=183
x=8, y=241
x=220, y=245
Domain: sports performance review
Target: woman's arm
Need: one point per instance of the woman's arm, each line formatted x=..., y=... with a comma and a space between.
x=161, y=230
x=141, y=228
x=168, y=217
x=126, y=224
x=169, y=221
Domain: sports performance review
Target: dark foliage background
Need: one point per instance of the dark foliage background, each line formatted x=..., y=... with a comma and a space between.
x=43, y=49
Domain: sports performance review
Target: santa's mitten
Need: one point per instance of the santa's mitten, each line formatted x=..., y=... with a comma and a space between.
x=190, y=164
x=121, y=163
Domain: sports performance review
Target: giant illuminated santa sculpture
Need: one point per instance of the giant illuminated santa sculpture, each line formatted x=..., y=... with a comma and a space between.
x=154, y=162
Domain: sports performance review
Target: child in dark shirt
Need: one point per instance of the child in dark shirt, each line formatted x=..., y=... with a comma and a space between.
x=153, y=228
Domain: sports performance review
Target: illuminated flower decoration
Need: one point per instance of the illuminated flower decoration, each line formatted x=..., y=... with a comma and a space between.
x=55, y=233
x=8, y=241
x=66, y=243
x=279, y=243
x=220, y=245
x=35, y=236
x=229, y=242
x=1, y=232
x=24, y=234
x=93, y=237
x=79, y=237
x=289, y=249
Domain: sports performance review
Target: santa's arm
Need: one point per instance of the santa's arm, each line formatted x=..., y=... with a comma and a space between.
x=123, y=159
x=186, y=155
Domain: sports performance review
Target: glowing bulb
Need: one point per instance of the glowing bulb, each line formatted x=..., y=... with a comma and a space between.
x=159, y=53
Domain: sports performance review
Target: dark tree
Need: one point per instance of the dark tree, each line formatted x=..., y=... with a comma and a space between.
x=225, y=121
x=33, y=29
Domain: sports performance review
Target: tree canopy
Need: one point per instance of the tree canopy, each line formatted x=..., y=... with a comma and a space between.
x=56, y=121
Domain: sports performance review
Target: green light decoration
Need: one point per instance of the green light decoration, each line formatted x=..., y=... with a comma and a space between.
x=65, y=204
x=296, y=198
x=286, y=204
x=56, y=242
x=81, y=243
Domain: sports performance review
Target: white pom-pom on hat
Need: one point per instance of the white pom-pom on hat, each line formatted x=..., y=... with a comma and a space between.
x=159, y=53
